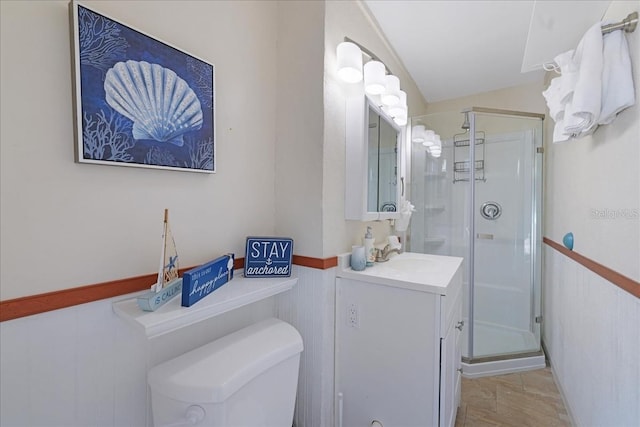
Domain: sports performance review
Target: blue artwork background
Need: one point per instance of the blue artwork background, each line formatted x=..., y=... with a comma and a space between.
x=106, y=133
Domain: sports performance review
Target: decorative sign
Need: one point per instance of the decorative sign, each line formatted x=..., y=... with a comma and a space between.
x=152, y=300
x=268, y=257
x=199, y=282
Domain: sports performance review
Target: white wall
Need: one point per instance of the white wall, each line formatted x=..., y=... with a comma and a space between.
x=310, y=150
x=592, y=339
x=520, y=98
x=600, y=174
x=64, y=224
x=590, y=325
x=299, y=153
x=85, y=213
x=350, y=19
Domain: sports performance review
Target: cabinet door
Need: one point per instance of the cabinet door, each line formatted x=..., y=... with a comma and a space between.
x=387, y=355
x=457, y=392
x=450, y=363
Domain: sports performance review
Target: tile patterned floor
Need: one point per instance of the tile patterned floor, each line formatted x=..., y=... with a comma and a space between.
x=526, y=399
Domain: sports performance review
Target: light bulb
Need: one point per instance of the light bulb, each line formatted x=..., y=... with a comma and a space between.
x=436, y=149
x=401, y=120
x=349, y=57
x=417, y=134
x=374, y=72
x=429, y=138
x=391, y=94
x=400, y=108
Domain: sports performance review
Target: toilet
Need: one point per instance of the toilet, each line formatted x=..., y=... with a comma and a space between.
x=245, y=379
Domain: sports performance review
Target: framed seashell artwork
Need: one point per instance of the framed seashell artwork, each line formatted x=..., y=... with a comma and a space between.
x=139, y=101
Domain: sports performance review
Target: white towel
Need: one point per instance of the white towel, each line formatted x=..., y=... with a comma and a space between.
x=560, y=92
x=558, y=131
x=569, y=72
x=581, y=114
x=618, y=92
x=552, y=95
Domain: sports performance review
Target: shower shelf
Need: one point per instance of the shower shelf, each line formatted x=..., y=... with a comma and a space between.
x=461, y=169
x=464, y=166
x=465, y=142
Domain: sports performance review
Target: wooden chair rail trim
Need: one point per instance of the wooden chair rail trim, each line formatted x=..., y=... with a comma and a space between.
x=621, y=281
x=41, y=303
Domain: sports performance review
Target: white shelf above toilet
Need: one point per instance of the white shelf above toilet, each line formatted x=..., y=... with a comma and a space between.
x=237, y=293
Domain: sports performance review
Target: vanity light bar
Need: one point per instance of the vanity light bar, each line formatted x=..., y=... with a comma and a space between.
x=368, y=53
x=383, y=87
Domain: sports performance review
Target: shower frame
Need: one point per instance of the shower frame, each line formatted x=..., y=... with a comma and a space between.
x=536, y=230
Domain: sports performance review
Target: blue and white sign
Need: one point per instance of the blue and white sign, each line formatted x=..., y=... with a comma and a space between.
x=268, y=257
x=152, y=300
x=199, y=282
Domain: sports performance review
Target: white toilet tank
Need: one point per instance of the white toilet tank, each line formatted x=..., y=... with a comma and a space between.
x=245, y=379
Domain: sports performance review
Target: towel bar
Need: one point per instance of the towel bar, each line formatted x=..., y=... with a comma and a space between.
x=628, y=24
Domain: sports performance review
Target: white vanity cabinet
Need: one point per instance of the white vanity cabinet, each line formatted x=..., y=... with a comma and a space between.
x=398, y=344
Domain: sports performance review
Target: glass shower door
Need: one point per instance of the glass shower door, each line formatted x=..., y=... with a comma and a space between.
x=491, y=220
x=506, y=235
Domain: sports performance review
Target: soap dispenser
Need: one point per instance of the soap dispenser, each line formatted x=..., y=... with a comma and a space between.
x=369, y=249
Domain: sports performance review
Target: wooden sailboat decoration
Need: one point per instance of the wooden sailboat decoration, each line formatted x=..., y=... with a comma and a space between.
x=168, y=269
x=168, y=284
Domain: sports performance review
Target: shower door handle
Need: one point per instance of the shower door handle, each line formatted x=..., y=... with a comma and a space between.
x=484, y=236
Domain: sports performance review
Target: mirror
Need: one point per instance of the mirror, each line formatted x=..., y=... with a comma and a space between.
x=373, y=157
x=382, y=171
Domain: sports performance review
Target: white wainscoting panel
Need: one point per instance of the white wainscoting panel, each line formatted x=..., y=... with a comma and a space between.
x=77, y=366
x=14, y=372
x=84, y=366
x=310, y=308
x=592, y=336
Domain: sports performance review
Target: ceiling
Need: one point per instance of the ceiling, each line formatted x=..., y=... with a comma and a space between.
x=458, y=48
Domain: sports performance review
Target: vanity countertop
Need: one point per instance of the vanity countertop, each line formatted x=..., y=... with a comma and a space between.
x=408, y=270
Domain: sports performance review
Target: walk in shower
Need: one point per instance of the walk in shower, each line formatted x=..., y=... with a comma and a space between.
x=481, y=200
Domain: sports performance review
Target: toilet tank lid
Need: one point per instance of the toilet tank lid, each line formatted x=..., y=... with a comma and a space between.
x=213, y=372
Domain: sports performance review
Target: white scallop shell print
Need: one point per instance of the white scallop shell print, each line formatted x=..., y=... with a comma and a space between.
x=161, y=105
